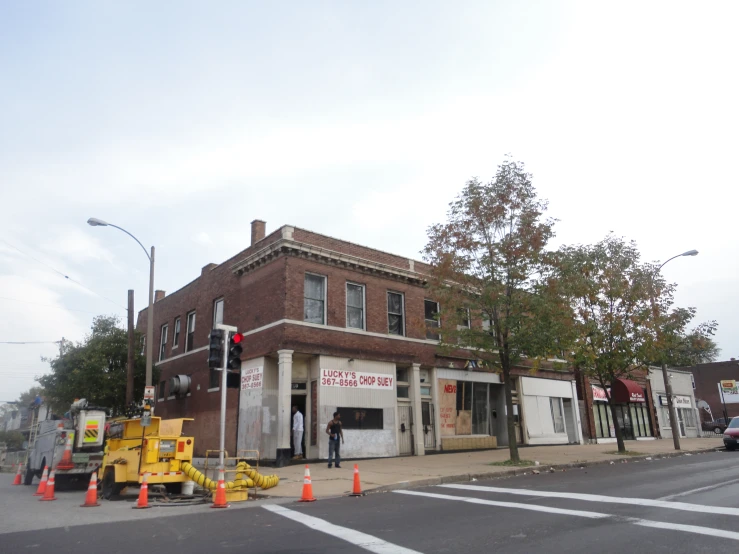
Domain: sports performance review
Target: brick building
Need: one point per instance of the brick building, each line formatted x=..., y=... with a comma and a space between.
x=331, y=325
x=707, y=378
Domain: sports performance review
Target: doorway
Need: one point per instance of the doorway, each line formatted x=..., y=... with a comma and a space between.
x=405, y=430
x=299, y=401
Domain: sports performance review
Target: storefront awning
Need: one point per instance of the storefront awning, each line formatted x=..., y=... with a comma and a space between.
x=626, y=391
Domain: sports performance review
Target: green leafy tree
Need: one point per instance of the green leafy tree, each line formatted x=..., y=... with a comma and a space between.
x=95, y=369
x=488, y=263
x=13, y=440
x=675, y=345
x=610, y=291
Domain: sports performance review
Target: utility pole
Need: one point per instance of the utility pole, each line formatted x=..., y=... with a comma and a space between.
x=130, y=363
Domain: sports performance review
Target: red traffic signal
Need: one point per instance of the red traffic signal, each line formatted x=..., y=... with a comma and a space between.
x=236, y=338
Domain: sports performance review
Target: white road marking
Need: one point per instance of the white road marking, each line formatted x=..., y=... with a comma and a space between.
x=699, y=489
x=708, y=531
x=362, y=540
x=720, y=510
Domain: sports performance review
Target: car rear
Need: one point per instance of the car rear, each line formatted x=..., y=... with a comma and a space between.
x=731, y=434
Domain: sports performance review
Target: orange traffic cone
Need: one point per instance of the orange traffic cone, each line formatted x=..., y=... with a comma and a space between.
x=143, y=494
x=357, y=486
x=307, y=488
x=17, y=480
x=66, y=461
x=49, y=492
x=220, y=501
x=91, y=499
x=42, y=485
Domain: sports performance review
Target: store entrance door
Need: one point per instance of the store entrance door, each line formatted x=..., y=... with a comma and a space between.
x=405, y=430
x=623, y=420
x=680, y=421
x=299, y=401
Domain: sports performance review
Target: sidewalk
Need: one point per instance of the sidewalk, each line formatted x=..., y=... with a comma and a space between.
x=417, y=471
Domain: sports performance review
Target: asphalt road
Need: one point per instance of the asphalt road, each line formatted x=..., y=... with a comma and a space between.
x=685, y=504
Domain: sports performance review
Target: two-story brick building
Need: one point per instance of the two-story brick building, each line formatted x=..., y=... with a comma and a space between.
x=334, y=326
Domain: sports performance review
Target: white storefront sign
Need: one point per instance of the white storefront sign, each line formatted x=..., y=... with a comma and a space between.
x=251, y=378
x=678, y=401
x=728, y=393
x=356, y=380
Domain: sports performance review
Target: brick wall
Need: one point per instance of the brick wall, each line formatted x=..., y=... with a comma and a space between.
x=706, y=378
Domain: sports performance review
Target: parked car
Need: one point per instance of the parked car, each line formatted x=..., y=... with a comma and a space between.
x=717, y=425
x=731, y=434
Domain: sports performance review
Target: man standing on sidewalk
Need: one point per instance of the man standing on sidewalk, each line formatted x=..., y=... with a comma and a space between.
x=297, y=433
x=334, y=432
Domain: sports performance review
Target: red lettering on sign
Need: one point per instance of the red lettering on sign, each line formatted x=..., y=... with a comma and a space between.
x=452, y=389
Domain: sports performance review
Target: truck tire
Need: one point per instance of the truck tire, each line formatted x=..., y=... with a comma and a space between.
x=28, y=478
x=173, y=488
x=110, y=488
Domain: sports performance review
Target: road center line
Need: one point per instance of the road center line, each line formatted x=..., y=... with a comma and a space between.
x=357, y=538
x=699, y=489
x=684, y=506
x=708, y=531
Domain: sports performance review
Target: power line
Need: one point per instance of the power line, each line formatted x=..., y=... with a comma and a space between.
x=30, y=341
x=64, y=275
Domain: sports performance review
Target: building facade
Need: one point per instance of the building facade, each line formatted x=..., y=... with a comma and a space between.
x=334, y=326
x=712, y=403
x=688, y=418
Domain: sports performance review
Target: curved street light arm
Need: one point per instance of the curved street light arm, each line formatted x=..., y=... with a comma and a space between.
x=663, y=263
x=134, y=238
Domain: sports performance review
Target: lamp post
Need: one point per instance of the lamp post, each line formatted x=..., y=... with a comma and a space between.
x=150, y=312
x=668, y=386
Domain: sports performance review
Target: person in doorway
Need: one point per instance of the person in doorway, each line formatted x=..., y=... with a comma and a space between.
x=297, y=433
x=335, y=433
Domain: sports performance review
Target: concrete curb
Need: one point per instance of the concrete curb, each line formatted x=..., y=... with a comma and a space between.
x=467, y=477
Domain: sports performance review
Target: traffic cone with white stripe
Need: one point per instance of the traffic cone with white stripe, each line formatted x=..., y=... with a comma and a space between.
x=66, y=461
x=143, y=501
x=220, y=501
x=357, y=485
x=49, y=492
x=307, y=487
x=17, y=480
x=42, y=485
x=91, y=499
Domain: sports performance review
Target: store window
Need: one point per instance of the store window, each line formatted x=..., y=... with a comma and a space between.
x=431, y=312
x=354, y=306
x=402, y=384
x=361, y=418
x=395, y=314
x=558, y=415
x=314, y=301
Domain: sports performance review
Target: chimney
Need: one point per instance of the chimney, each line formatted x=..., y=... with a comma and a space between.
x=257, y=231
x=158, y=295
x=207, y=269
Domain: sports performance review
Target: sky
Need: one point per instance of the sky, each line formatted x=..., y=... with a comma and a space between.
x=184, y=121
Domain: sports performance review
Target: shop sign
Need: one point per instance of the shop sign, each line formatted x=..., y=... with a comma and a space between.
x=728, y=386
x=728, y=391
x=599, y=395
x=677, y=401
x=448, y=406
x=356, y=380
x=251, y=378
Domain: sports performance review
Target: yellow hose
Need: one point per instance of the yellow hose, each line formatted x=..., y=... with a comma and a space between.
x=243, y=469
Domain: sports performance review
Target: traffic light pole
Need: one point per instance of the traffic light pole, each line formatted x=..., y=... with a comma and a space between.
x=224, y=371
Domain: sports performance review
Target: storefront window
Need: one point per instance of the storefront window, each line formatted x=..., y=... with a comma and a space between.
x=688, y=417
x=598, y=424
x=480, y=409
x=557, y=414
x=361, y=418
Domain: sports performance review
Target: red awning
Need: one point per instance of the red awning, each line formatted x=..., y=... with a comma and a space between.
x=626, y=391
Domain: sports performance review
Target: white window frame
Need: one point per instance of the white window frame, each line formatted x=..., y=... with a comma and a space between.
x=402, y=312
x=215, y=310
x=364, y=305
x=163, y=341
x=325, y=296
x=176, y=333
x=188, y=346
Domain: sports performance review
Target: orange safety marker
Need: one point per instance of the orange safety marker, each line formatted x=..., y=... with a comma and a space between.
x=91, y=498
x=49, y=492
x=42, y=485
x=220, y=501
x=66, y=461
x=307, y=487
x=143, y=501
x=357, y=486
x=17, y=480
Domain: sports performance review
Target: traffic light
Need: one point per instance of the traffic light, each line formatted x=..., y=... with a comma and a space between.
x=234, y=351
x=215, y=358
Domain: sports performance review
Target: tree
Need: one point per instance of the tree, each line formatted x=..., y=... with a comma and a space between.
x=610, y=291
x=13, y=440
x=487, y=263
x=675, y=346
x=94, y=369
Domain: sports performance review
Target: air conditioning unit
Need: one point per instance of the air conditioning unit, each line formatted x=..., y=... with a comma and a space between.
x=179, y=385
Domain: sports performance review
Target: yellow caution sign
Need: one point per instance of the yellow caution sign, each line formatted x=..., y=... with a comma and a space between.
x=92, y=428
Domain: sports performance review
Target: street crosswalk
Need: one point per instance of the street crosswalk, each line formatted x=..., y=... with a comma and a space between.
x=499, y=491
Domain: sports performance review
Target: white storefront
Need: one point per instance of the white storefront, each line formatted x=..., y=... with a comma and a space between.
x=550, y=411
x=688, y=418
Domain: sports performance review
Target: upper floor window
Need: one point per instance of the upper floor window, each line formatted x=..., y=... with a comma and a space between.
x=218, y=312
x=163, y=342
x=464, y=319
x=431, y=312
x=176, y=339
x=487, y=321
x=355, y=306
x=314, y=298
x=395, y=314
x=190, y=338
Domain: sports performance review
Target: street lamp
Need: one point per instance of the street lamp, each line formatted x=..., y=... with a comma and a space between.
x=94, y=222
x=665, y=378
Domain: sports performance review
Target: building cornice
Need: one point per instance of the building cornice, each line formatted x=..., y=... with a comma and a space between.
x=288, y=247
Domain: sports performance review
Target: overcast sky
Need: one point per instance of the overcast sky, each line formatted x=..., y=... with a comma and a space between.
x=184, y=121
